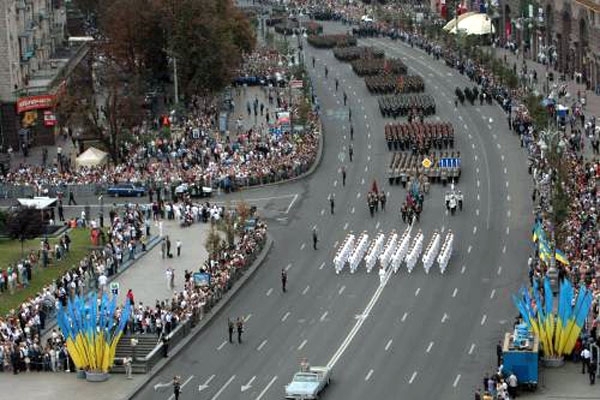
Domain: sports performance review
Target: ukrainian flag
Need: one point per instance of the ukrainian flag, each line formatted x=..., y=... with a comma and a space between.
x=538, y=232
x=561, y=257
x=544, y=250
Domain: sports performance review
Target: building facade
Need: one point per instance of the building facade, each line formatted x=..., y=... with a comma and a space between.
x=568, y=28
x=32, y=34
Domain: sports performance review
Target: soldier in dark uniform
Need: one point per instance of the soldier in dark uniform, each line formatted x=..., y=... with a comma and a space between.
x=240, y=329
x=404, y=212
x=382, y=200
x=230, y=328
x=283, y=280
x=176, y=387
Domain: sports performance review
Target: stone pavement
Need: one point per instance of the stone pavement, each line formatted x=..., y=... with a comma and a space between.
x=148, y=281
x=564, y=383
x=240, y=117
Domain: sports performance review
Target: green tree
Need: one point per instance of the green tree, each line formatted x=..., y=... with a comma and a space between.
x=24, y=223
x=213, y=243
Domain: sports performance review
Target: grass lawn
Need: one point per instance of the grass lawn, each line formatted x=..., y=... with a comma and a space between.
x=10, y=252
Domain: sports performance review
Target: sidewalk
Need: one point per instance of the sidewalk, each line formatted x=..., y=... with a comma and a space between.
x=564, y=383
x=239, y=116
x=148, y=281
x=592, y=107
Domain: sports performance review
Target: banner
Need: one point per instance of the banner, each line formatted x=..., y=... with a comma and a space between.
x=201, y=279
x=35, y=103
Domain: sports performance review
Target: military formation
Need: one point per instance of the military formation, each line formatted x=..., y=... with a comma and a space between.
x=401, y=105
x=376, y=66
x=387, y=83
x=444, y=167
x=331, y=41
x=391, y=253
x=349, y=54
x=419, y=137
x=471, y=95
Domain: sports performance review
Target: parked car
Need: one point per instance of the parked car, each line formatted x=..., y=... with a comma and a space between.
x=308, y=383
x=126, y=190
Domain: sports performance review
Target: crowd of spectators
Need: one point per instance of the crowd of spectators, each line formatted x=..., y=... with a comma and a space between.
x=198, y=151
x=21, y=330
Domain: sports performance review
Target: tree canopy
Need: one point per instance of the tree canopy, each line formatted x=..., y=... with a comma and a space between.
x=24, y=223
x=207, y=37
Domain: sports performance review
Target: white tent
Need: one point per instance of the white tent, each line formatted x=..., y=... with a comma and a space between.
x=39, y=203
x=477, y=24
x=91, y=158
x=452, y=23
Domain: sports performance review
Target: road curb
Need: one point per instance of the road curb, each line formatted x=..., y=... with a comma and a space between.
x=205, y=322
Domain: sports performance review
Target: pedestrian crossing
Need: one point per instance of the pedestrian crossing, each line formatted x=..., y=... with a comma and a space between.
x=393, y=251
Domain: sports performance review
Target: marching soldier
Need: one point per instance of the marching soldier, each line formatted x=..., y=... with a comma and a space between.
x=345, y=98
x=382, y=200
x=350, y=114
x=350, y=152
x=343, y=176
x=326, y=72
x=337, y=84
x=351, y=132
x=313, y=61
x=315, y=238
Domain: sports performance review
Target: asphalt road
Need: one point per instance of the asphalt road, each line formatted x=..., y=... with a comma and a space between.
x=418, y=336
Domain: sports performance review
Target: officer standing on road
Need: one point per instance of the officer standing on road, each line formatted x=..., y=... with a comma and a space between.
x=326, y=71
x=351, y=132
x=315, y=238
x=337, y=84
x=313, y=61
x=350, y=114
x=240, y=329
x=343, y=176
x=332, y=203
x=283, y=280
x=350, y=151
x=176, y=387
x=345, y=98
x=230, y=328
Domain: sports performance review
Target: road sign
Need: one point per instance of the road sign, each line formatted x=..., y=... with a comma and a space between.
x=426, y=163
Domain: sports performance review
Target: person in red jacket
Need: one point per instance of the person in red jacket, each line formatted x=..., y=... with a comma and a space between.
x=130, y=297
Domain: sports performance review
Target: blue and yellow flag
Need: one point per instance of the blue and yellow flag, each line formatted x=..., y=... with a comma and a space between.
x=561, y=257
x=538, y=232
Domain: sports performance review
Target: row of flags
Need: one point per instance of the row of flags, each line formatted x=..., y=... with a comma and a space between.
x=557, y=330
x=91, y=330
x=545, y=252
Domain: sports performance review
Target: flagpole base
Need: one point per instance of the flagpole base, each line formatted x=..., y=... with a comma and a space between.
x=553, y=362
x=96, y=376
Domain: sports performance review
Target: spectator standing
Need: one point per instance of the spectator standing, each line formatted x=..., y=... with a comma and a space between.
x=178, y=245
x=586, y=356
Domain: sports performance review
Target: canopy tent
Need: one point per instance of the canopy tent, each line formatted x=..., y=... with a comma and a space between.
x=39, y=203
x=452, y=23
x=91, y=158
x=477, y=24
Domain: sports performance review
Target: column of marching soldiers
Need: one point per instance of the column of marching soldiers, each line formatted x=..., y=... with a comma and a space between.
x=395, y=252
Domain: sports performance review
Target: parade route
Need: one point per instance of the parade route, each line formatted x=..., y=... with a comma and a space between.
x=426, y=336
